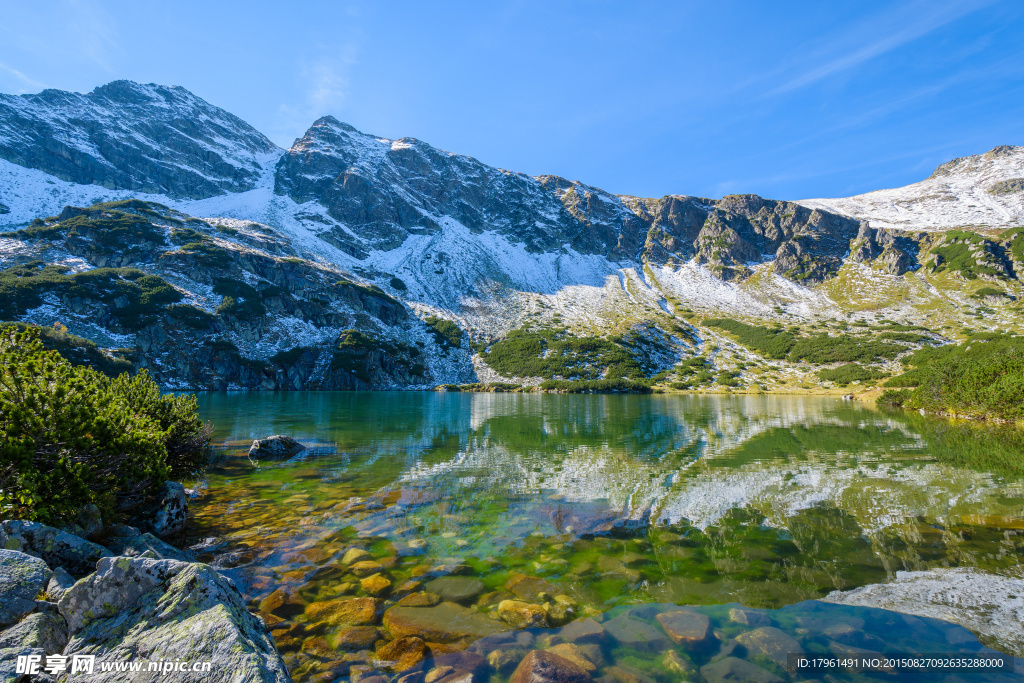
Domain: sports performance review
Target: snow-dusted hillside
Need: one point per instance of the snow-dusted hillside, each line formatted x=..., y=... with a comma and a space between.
x=143, y=138
x=442, y=234
x=984, y=190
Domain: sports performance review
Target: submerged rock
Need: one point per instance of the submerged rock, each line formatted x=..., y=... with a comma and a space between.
x=690, y=629
x=519, y=614
x=461, y=589
x=55, y=547
x=546, y=667
x=134, y=609
x=277, y=447
x=771, y=642
x=738, y=670
x=21, y=578
x=445, y=623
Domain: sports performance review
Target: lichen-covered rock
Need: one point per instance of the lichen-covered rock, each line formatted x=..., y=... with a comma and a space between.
x=171, y=514
x=59, y=584
x=55, y=547
x=9, y=662
x=134, y=609
x=132, y=546
x=277, y=447
x=43, y=630
x=21, y=578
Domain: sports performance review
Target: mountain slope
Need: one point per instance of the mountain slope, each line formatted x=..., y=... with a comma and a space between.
x=984, y=190
x=471, y=255
x=127, y=136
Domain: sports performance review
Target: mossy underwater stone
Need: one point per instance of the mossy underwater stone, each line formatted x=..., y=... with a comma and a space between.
x=446, y=622
x=461, y=589
x=738, y=670
x=375, y=585
x=539, y=665
x=519, y=614
x=350, y=612
x=771, y=642
x=401, y=654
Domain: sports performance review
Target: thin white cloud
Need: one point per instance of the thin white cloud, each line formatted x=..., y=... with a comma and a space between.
x=31, y=85
x=325, y=83
x=95, y=30
x=930, y=18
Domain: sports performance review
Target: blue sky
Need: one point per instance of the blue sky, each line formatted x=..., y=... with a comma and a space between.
x=784, y=99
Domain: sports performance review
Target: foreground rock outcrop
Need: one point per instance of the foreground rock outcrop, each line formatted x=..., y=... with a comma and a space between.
x=137, y=608
x=128, y=610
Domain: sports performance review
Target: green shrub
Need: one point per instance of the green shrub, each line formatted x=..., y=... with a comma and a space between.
x=447, y=333
x=597, y=386
x=851, y=372
x=555, y=353
x=398, y=284
x=76, y=350
x=240, y=299
x=771, y=342
x=191, y=316
x=822, y=348
x=290, y=356
x=70, y=436
x=983, y=377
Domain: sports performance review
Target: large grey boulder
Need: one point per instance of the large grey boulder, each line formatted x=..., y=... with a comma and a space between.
x=132, y=546
x=171, y=515
x=9, y=663
x=134, y=608
x=277, y=447
x=21, y=578
x=44, y=630
x=60, y=583
x=57, y=548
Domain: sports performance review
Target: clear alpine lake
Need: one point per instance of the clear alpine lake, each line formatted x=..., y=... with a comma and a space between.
x=561, y=508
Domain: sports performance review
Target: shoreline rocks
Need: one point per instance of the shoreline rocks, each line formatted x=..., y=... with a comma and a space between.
x=125, y=608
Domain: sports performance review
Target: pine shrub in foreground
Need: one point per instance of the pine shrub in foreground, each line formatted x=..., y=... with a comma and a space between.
x=70, y=435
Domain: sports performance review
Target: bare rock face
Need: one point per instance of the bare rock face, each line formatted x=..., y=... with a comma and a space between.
x=165, y=610
x=129, y=136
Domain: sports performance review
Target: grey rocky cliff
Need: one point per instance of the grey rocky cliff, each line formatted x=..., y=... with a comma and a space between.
x=125, y=135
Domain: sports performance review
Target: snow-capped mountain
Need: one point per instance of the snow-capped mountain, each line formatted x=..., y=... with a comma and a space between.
x=282, y=254
x=127, y=136
x=983, y=190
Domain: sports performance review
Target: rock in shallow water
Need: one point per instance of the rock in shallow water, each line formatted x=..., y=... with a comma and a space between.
x=546, y=667
x=738, y=670
x=771, y=642
x=444, y=623
x=992, y=606
x=277, y=447
x=21, y=578
x=133, y=609
x=690, y=629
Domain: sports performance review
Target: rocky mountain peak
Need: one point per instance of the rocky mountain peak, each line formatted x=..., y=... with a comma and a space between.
x=129, y=136
x=978, y=190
